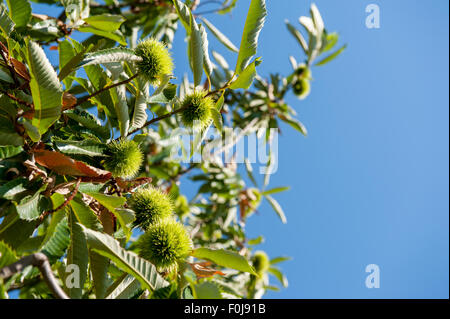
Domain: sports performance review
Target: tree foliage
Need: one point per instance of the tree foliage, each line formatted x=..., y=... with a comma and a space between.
x=87, y=176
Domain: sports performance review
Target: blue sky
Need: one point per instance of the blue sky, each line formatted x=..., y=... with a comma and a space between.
x=370, y=182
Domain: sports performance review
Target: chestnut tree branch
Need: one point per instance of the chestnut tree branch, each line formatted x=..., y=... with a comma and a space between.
x=106, y=88
x=156, y=119
x=40, y=261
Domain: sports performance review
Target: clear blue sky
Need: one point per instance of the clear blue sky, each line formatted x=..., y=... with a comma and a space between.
x=370, y=183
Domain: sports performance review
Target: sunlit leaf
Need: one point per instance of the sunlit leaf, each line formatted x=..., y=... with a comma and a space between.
x=128, y=261
x=45, y=89
x=105, y=22
x=220, y=36
x=254, y=23
x=224, y=258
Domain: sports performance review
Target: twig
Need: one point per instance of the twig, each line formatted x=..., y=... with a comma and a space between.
x=209, y=2
x=195, y=4
x=12, y=97
x=156, y=119
x=7, y=60
x=162, y=117
x=184, y=171
x=38, y=260
x=66, y=202
x=81, y=101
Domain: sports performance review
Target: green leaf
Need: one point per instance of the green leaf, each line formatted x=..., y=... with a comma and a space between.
x=84, y=214
x=207, y=64
x=57, y=245
x=249, y=169
x=30, y=207
x=86, y=147
x=245, y=79
x=125, y=287
x=165, y=95
x=217, y=118
x=110, y=56
x=105, y=22
x=32, y=131
x=215, y=112
x=128, y=261
x=227, y=6
x=89, y=121
x=279, y=275
x=69, y=59
x=89, y=187
x=13, y=225
x=57, y=216
x=7, y=255
x=9, y=151
x=10, y=189
x=77, y=254
x=76, y=11
x=125, y=217
x=277, y=208
x=224, y=258
x=256, y=241
x=8, y=135
x=6, y=24
x=253, y=25
x=169, y=292
x=119, y=96
x=45, y=89
x=5, y=75
x=332, y=56
x=99, y=268
x=116, y=35
x=207, y=290
x=220, y=36
x=140, y=106
x=296, y=125
x=183, y=13
x=110, y=202
x=66, y=54
x=220, y=102
x=196, y=52
x=298, y=36
x=330, y=41
x=317, y=20
x=278, y=260
x=275, y=190
x=314, y=38
x=20, y=11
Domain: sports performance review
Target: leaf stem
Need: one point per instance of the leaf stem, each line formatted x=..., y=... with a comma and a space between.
x=66, y=202
x=156, y=119
x=106, y=88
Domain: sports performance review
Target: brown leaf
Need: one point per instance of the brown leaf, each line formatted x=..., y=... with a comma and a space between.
x=64, y=165
x=64, y=188
x=108, y=220
x=201, y=270
x=68, y=101
x=129, y=185
x=21, y=69
x=33, y=170
x=28, y=114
